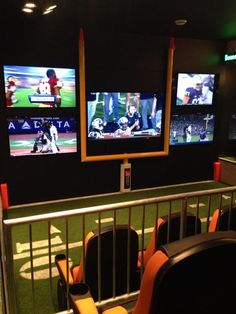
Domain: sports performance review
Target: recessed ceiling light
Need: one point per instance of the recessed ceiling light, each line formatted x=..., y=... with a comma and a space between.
x=52, y=7
x=47, y=12
x=180, y=22
x=27, y=10
x=30, y=5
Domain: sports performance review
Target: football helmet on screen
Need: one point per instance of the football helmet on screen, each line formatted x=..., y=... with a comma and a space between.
x=197, y=82
x=123, y=123
x=97, y=124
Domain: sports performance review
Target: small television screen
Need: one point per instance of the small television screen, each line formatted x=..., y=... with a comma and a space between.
x=195, y=89
x=195, y=128
x=232, y=127
x=35, y=86
x=42, y=136
x=123, y=115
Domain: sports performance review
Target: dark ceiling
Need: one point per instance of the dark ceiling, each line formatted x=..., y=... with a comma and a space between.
x=214, y=20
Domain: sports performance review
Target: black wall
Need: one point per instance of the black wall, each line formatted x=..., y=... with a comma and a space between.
x=113, y=60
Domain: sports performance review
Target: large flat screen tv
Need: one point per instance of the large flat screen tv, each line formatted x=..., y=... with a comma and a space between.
x=197, y=128
x=195, y=89
x=124, y=122
x=36, y=86
x=42, y=135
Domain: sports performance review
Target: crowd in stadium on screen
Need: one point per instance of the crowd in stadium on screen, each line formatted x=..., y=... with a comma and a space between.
x=123, y=114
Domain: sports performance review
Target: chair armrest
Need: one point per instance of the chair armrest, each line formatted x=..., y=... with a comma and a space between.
x=84, y=305
x=81, y=299
x=116, y=310
x=61, y=263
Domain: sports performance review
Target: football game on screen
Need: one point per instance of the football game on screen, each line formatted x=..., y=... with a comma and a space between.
x=195, y=89
x=32, y=86
x=114, y=115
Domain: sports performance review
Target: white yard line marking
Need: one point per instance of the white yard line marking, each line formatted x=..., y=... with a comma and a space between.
x=205, y=219
x=20, y=247
x=54, y=230
x=62, y=247
x=105, y=220
x=195, y=205
x=226, y=197
x=148, y=230
x=58, y=248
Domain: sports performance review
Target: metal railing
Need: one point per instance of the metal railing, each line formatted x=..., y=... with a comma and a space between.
x=140, y=214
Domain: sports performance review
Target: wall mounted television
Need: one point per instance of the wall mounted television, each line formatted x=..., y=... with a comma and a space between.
x=36, y=86
x=120, y=122
x=195, y=89
x=232, y=127
x=150, y=144
x=36, y=136
x=197, y=128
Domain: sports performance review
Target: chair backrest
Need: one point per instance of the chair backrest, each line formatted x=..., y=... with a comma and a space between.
x=191, y=226
x=116, y=259
x=224, y=219
x=194, y=275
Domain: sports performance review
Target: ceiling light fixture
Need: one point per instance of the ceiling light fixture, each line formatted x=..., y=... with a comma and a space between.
x=180, y=22
x=49, y=9
x=30, y=5
x=27, y=10
x=46, y=7
x=52, y=7
x=47, y=12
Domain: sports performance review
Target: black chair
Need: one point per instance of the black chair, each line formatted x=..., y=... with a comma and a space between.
x=118, y=252
x=223, y=219
x=194, y=275
x=191, y=226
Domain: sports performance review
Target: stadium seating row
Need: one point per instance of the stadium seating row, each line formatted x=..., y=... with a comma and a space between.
x=113, y=266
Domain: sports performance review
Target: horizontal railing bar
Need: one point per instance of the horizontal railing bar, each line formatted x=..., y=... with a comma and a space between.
x=118, y=299
x=108, y=207
x=64, y=200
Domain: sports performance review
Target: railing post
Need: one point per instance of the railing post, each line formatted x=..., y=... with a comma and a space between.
x=183, y=218
x=8, y=271
x=3, y=287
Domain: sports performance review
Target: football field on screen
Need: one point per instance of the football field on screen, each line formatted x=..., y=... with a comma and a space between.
x=194, y=139
x=21, y=94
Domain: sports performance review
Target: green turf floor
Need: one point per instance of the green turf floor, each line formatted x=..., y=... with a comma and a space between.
x=45, y=304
